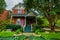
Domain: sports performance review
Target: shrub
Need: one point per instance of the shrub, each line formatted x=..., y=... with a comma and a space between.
x=37, y=31
x=54, y=39
x=45, y=22
x=42, y=38
x=18, y=31
x=39, y=21
x=3, y=24
x=36, y=27
x=13, y=27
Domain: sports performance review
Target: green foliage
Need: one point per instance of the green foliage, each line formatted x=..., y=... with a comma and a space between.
x=49, y=8
x=58, y=23
x=45, y=22
x=37, y=31
x=48, y=35
x=22, y=37
x=2, y=5
x=52, y=12
x=44, y=36
x=17, y=31
x=14, y=27
x=39, y=21
x=6, y=34
x=39, y=24
x=54, y=39
x=3, y=24
x=9, y=15
x=37, y=28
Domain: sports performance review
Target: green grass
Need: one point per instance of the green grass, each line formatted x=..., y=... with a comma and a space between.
x=47, y=36
x=5, y=34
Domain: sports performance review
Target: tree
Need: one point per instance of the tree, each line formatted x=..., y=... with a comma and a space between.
x=3, y=24
x=50, y=9
x=2, y=5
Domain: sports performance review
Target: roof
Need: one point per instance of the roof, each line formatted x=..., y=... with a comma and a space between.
x=30, y=13
x=19, y=4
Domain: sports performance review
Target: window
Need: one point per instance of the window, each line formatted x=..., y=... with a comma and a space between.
x=18, y=22
x=19, y=11
x=15, y=11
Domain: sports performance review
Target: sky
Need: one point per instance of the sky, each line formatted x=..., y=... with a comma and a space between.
x=12, y=3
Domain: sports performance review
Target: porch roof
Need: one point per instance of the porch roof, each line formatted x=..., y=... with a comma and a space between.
x=22, y=15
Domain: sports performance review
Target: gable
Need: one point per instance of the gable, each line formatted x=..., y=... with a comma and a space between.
x=31, y=14
x=18, y=6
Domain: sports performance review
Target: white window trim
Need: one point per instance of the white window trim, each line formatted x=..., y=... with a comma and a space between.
x=18, y=22
x=19, y=11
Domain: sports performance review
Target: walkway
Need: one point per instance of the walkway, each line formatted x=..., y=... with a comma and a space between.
x=27, y=34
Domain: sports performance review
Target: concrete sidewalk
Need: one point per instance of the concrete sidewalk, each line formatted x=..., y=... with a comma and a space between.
x=56, y=29
x=26, y=34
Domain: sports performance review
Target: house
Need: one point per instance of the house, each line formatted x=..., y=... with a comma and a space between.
x=21, y=17
x=4, y=15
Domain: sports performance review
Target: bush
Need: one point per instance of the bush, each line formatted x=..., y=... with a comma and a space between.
x=13, y=27
x=54, y=39
x=18, y=31
x=37, y=31
x=3, y=24
x=42, y=38
x=36, y=27
x=39, y=21
x=45, y=22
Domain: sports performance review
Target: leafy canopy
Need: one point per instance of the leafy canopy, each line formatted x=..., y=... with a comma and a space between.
x=52, y=6
x=2, y=5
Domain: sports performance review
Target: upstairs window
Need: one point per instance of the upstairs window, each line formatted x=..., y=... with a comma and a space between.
x=23, y=11
x=19, y=11
x=15, y=11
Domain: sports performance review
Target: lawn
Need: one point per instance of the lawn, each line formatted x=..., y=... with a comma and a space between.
x=6, y=34
x=44, y=36
x=48, y=36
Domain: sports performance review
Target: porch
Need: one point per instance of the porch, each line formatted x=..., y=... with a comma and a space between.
x=28, y=21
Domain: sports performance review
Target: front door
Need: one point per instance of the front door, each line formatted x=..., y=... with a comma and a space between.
x=27, y=28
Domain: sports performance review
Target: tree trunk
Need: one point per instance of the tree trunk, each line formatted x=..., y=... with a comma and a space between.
x=50, y=19
x=51, y=23
x=51, y=26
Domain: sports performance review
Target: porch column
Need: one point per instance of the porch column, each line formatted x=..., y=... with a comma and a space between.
x=11, y=19
x=25, y=20
x=36, y=20
x=24, y=24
